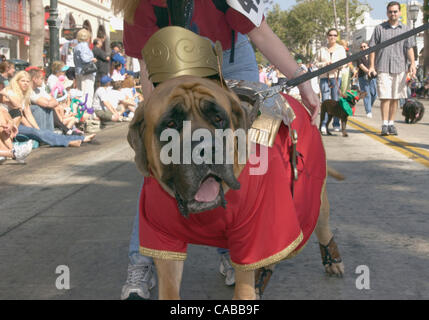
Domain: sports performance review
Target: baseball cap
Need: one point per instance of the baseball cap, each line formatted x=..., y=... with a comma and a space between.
x=105, y=79
x=65, y=68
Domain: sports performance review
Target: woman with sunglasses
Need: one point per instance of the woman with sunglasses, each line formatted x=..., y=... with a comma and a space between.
x=330, y=82
x=367, y=83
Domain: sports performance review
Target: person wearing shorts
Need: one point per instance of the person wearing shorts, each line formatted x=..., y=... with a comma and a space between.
x=390, y=66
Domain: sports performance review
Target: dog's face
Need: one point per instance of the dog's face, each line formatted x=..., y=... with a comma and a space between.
x=362, y=95
x=163, y=133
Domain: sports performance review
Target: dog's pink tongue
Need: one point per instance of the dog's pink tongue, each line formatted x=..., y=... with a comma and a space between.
x=208, y=191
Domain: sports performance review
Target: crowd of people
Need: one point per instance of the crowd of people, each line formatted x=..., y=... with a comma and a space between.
x=392, y=83
x=86, y=86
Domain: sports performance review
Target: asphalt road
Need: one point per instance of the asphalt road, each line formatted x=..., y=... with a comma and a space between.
x=75, y=208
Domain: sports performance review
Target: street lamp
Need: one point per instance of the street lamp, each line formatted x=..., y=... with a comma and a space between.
x=413, y=12
x=54, y=32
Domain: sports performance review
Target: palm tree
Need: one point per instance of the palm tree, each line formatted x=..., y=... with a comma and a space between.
x=37, y=32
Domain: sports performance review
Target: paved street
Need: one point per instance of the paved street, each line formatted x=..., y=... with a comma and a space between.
x=75, y=207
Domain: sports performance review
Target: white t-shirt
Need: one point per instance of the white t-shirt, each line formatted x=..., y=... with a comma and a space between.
x=101, y=94
x=116, y=96
x=107, y=94
x=128, y=92
x=37, y=93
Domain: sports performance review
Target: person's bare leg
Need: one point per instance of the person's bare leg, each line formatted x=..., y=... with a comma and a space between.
x=385, y=107
x=393, y=107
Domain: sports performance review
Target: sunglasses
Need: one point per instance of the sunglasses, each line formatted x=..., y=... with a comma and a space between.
x=393, y=11
x=332, y=35
x=363, y=47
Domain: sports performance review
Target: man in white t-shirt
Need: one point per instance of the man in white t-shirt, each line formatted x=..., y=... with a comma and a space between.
x=102, y=103
x=42, y=103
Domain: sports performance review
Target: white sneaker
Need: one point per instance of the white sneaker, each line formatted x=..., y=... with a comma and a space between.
x=2, y=159
x=337, y=129
x=226, y=269
x=369, y=115
x=323, y=130
x=21, y=151
x=140, y=280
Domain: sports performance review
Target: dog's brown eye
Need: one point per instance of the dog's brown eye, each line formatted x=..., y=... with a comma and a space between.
x=171, y=124
x=218, y=119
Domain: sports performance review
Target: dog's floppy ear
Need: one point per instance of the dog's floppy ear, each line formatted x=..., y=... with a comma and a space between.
x=241, y=112
x=135, y=139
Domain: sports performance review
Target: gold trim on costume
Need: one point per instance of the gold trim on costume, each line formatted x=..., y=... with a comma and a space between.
x=270, y=260
x=163, y=255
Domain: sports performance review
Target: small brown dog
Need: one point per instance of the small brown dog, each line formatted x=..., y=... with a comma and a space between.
x=333, y=109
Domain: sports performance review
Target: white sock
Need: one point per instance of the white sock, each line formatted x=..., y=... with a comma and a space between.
x=385, y=122
x=391, y=123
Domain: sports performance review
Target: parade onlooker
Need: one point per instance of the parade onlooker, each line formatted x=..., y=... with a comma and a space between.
x=262, y=74
x=42, y=103
x=16, y=97
x=83, y=56
x=8, y=131
x=116, y=74
x=103, y=60
x=129, y=89
x=330, y=82
x=102, y=103
x=366, y=82
x=7, y=71
x=390, y=66
x=67, y=57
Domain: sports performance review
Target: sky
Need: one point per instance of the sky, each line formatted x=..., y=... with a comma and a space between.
x=378, y=6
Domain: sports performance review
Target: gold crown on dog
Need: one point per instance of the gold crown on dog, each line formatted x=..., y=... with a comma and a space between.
x=175, y=51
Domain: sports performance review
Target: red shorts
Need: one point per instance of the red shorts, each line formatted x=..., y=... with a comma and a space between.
x=263, y=222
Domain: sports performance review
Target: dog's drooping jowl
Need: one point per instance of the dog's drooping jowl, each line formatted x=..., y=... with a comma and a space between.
x=341, y=109
x=413, y=111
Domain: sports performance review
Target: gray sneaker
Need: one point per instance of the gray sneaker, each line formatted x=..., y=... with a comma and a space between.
x=21, y=151
x=226, y=269
x=392, y=130
x=140, y=280
x=384, y=130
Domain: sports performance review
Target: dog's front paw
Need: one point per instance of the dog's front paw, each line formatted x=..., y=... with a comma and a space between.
x=331, y=259
x=345, y=134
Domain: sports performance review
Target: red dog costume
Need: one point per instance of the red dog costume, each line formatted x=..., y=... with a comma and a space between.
x=263, y=222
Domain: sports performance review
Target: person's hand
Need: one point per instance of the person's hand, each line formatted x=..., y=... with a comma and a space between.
x=371, y=72
x=94, y=60
x=310, y=100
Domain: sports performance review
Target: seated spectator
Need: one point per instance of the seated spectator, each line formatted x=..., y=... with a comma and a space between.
x=8, y=131
x=16, y=97
x=55, y=80
x=102, y=105
x=46, y=110
x=129, y=89
x=120, y=101
x=116, y=72
x=7, y=70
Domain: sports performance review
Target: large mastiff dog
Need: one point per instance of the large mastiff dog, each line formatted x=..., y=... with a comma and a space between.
x=261, y=218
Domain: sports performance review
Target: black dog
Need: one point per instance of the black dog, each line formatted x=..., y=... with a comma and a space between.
x=413, y=111
x=334, y=109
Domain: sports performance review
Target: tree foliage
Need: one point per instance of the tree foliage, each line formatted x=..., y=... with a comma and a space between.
x=308, y=21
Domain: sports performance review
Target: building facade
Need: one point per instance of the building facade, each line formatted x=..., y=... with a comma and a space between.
x=94, y=15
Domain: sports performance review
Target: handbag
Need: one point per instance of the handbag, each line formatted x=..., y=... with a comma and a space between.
x=89, y=68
